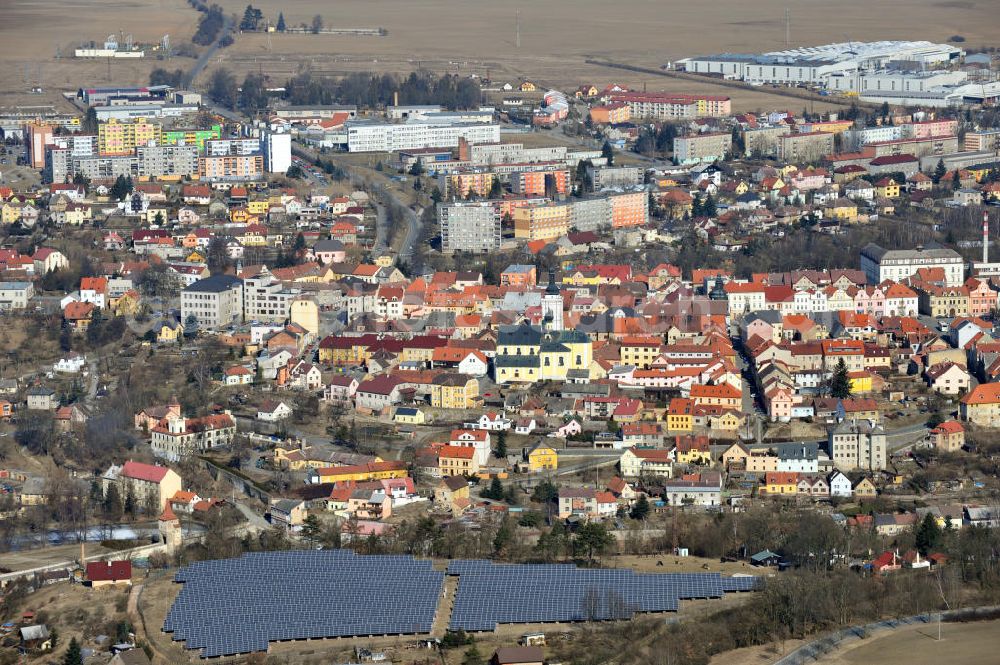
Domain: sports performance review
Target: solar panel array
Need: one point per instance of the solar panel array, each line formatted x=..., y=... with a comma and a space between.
x=235, y=606
x=490, y=594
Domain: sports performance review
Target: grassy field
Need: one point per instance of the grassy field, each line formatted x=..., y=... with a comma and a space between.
x=469, y=37
x=961, y=644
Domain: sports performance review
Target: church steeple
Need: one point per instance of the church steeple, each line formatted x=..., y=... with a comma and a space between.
x=552, y=304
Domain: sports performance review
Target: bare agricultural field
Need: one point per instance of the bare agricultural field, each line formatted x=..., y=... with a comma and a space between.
x=557, y=36
x=464, y=36
x=32, y=31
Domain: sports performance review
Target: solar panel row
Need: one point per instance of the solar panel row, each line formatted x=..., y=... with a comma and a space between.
x=239, y=605
x=491, y=594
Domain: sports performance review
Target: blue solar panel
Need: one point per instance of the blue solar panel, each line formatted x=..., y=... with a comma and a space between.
x=491, y=594
x=237, y=606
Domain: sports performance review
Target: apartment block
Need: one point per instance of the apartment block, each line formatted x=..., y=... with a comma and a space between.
x=166, y=161
x=214, y=302
x=232, y=167
x=665, y=106
x=988, y=139
x=541, y=222
x=808, y=147
x=469, y=226
x=629, y=209
x=122, y=138
x=857, y=445
x=265, y=299
x=459, y=185
x=541, y=182
x=702, y=147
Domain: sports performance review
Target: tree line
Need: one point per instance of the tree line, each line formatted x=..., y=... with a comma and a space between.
x=371, y=90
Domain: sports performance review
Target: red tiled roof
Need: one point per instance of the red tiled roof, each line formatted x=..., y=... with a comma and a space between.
x=147, y=472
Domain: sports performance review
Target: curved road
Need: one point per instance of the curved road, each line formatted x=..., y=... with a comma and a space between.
x=202, y=61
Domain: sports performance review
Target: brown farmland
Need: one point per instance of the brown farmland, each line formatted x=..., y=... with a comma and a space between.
x=471, y=36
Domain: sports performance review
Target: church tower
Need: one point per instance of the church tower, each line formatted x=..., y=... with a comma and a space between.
x=552, y=305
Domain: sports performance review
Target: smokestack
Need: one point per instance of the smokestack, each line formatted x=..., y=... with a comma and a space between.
x=395, y=98
x=986, y=237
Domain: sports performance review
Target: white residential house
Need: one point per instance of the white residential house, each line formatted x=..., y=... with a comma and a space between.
x=474, y=438
x=473, y=365
x=340, y=389
x=237, y=376
x=271, y=411
x=636, y=462
x=568, y=429
x=70, y=364
x=525, y=426
x=840, y=485
x=492, y=421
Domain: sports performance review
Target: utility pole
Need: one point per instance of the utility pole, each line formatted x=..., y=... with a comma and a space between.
x=517, y=28
x=788, y=29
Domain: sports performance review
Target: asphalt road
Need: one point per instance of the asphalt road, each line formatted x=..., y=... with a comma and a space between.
x=202, y=61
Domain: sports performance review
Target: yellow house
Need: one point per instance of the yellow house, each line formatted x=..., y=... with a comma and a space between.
x=239, y=215
x=542, y=457
x=780, y=482
x=861, y=382
x=254, y=237
x=11, y=212
x=195, y=257
x=167, y=331
x=406, y=415
x=457, y=461
x=258, y=207
x=844, y=210
x=454, y=391
x=127, y=304
x=693, y=452
x=888, y=188
x=547, y=221
x=680, y=415
x=865, y=489
x=729, y=421
x=527, y=86
x=385, y=260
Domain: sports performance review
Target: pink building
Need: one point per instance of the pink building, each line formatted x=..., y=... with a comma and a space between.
x=929, y=128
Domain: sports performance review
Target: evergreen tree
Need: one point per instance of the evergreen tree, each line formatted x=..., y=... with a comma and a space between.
x=112, y=502
x=311, y=528
x=708, y=207
x=641, y=508
x=608, y=153
x=436, y=195
x=501, y=448
x=496, y=189
x=696, y=206
x=73, y=655
x=939, y=172
x=281, y=23
x=130, y=504
x=956, y=181
x=494, y=491
x=928, y=535
x=472, y=656
x=840, y=382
